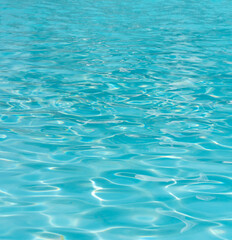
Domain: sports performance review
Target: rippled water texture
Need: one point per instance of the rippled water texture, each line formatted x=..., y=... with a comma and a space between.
x=116, y=120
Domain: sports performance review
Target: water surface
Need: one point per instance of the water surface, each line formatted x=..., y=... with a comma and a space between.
x=115, y=120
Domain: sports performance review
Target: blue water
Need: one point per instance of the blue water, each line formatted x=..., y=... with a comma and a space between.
x=115, y=120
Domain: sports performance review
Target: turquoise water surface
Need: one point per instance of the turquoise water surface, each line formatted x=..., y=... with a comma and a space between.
x=115, y=120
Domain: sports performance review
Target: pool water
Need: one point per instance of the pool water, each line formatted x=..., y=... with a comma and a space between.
x=115, y=120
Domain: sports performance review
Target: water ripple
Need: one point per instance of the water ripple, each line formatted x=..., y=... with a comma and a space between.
x=115, y=120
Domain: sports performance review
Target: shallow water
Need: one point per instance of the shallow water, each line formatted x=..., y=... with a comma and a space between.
x=115, y=120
